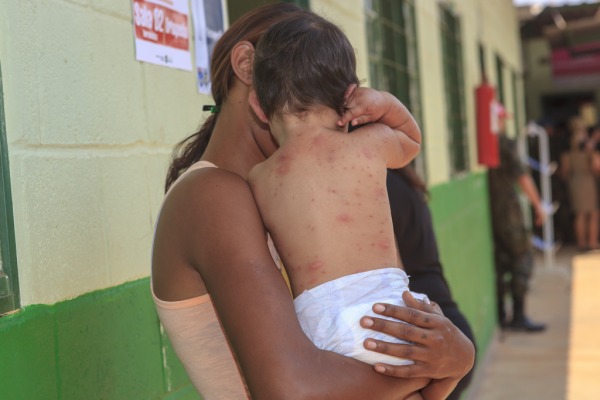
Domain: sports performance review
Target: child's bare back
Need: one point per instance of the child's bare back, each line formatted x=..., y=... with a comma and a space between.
x=334, y=184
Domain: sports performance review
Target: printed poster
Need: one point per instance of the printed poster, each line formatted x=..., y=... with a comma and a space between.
x=209, y=25
x=162, y=34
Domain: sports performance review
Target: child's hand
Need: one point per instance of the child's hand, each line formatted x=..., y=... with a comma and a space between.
x=364, y=105
x=389, y=119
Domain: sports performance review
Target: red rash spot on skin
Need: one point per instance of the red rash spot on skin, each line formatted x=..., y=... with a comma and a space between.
x=317, y=140
x=383, y=245
x=346, y=218
x=331, y=157
x=283, y=165
x=380, y=193
x=367, y=153
x=283, y=169
x=315, y=265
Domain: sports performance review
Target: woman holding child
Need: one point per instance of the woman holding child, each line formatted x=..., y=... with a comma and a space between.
x=210, y=239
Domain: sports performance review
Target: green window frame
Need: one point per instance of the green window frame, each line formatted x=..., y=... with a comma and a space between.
x=500, y=79
x=482, y=63
x=455, y=89
x=9, y=280
x=393, y=55
x=516, y=105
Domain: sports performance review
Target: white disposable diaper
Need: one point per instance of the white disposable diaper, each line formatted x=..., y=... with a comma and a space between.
x=330, y=313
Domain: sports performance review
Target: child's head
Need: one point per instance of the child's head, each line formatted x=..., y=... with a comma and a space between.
x=303, y=62
x=249, y=27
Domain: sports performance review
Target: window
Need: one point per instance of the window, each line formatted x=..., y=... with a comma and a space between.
x=500, y=79
x=9, y=284
x=393, y=58
x=455, y=95
x=515, y=87
x=482, y=66
x=237, y=8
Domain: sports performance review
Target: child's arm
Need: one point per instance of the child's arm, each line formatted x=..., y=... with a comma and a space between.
x=365, y=105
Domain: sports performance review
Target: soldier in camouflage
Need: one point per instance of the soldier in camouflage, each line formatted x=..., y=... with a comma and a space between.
x=512, y=246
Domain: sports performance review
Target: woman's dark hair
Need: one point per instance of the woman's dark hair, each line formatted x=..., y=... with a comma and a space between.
x=303, y=62
x=249, y=27
x=410, y=175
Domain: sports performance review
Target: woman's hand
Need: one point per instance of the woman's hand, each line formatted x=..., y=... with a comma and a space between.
x=440, y=349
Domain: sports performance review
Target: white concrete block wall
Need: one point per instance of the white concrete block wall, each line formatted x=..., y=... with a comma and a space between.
x=90, y=131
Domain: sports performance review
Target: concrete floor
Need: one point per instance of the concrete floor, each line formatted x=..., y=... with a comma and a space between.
x=558, y=364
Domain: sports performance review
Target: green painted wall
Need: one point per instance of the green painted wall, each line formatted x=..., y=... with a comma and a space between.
x=460, y=211
x=102, y=345
x=108, y=344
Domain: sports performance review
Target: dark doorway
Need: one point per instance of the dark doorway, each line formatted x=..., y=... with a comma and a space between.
x=561, y=107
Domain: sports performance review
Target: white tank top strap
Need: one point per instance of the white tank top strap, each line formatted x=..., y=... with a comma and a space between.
x=193, y=167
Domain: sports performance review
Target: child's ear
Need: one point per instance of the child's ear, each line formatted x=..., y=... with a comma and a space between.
x=254, y=103
x=242, y=57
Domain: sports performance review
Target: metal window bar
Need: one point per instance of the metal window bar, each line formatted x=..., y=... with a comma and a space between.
x=9, y=281
x=393, y=61
x=453, y=81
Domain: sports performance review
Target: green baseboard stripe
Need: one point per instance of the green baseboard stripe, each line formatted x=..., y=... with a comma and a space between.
x=102, y=345
x=460, y=210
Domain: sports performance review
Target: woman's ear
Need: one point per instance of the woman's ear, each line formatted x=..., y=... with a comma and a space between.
x=242, y=57
x=254, y=103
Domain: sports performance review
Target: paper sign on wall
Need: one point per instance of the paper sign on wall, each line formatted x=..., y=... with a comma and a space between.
x=208, y=28
x=162, y=33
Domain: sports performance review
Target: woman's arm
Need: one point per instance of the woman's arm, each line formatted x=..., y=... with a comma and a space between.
x=225, y=240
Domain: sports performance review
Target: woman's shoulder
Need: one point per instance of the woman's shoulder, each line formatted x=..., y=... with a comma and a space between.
x=205, y=186
x=204, y=191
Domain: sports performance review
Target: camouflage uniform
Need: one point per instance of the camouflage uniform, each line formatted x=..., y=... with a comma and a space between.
x=512, y=247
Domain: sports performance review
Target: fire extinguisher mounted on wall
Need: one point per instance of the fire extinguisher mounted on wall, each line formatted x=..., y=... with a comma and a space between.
x=487, y=110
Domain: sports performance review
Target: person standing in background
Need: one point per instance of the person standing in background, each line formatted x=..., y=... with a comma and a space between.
x=594, y=144
x=513, y=253
x=579, y=167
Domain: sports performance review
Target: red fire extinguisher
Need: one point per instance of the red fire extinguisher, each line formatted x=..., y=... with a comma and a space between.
x=487, y=137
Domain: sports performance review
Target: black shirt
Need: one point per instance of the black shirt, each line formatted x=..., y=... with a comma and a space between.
x=415, y=236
